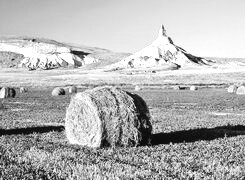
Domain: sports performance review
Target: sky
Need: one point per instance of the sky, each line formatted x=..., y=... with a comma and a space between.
x=211, y=28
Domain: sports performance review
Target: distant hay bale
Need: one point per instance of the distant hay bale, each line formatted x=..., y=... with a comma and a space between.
x=7, y=92
x=240, y=90
x=23, y=90
x=232, y=89
x=176, y=87
x=72, y=89
x=132, y=73
x=164, y=87
x=58, y=91
x=107, y=116
x=193, y=88
x=137, y=88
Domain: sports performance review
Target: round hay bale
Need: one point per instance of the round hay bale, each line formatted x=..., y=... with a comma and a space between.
x=240, y=90
x=232, y=89
x=193, y=88
x=107, y=116
x=23, y=90
x=176, y=87
x=7, y=92
x=72, y=89
x=58, y=91
x=137, y=88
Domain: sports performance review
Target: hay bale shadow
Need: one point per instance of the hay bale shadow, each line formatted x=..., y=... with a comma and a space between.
x=30, y=130
x=197, y=134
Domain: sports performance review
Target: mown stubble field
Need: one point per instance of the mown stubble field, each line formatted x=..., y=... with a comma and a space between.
x=196, y=135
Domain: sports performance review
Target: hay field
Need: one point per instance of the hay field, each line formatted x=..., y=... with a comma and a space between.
x=197, y=134
x=64, y=77
x=225, y=72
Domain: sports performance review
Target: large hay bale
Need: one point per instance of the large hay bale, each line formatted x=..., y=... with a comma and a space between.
x=7, y=92
x=107, y=116
x=193, y=88
x=58, y=91
x=232, y=89
x=72, y=89
x=240, y=90
x=23, y=90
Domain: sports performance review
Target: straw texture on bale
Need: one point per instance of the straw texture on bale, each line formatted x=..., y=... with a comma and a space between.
x=193, y=88
x=7, y=92
x=232, y=89
x=23, y=90
x=72, y=89
x=108, y=116
x=240, y=90
x=58, y=91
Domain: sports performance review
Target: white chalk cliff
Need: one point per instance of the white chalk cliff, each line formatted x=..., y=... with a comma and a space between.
x=162, y=52
x=43, y=55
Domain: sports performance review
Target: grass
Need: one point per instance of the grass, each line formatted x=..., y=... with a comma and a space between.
x=197, y=135
x=63, y=77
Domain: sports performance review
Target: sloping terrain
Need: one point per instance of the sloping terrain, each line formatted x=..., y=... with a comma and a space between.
x=42, y=53
x=112, y=68
x=10, y=59
x=162, y=53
